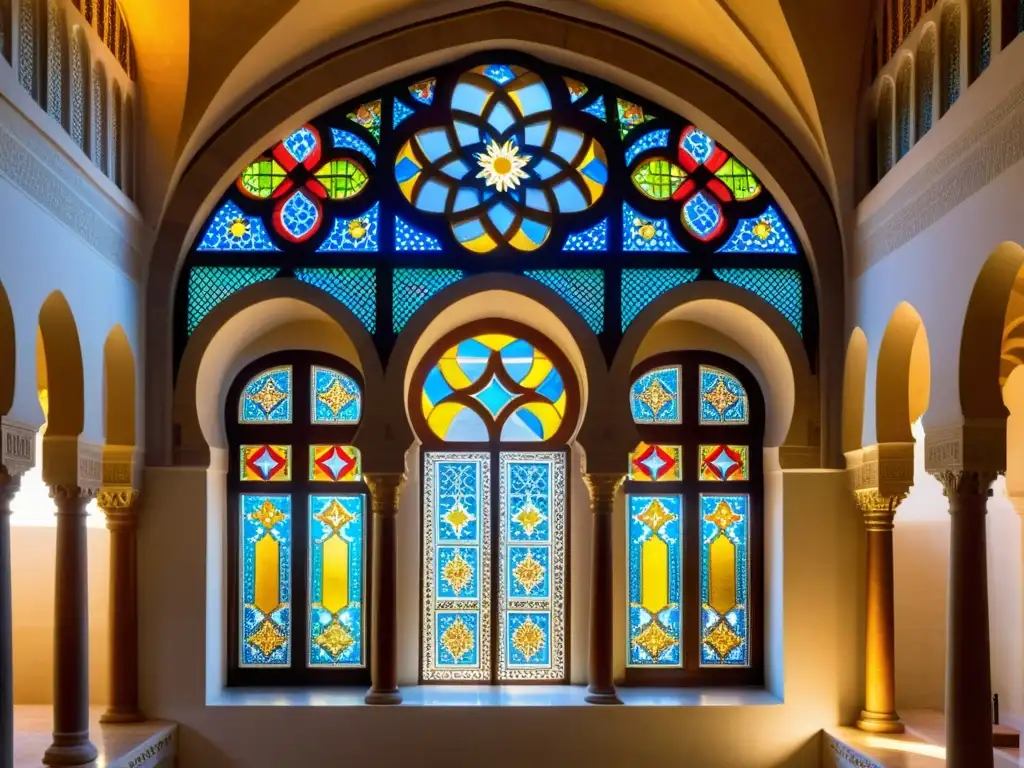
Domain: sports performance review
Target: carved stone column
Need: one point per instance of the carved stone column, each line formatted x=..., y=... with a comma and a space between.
x=8, y=488
x=602, y=487
x=120, y=508
x=968, y=666
x=385, y=490
x=71, y=745
x=879, y=715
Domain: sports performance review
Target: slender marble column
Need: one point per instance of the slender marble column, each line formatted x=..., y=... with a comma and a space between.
x=385, y=489
x=8, y=487
x=119, y=507
x=602, y=487
x=71, y=745
x=968, y=667
x=879, y=715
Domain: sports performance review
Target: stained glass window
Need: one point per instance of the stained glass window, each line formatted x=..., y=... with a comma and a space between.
x=724, y=589
x=981, y=36
x=691, y=581
x=925, y=81
x=903, y=108
x=299, y=537
x=517, y=496
x=950, y=51
x=490, y=386
x=503, y=162
x=884, y=128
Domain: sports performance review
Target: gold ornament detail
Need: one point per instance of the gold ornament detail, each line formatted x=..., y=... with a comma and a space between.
x=269, y=397
x=238, y=228
x=723, y=639
x=267, y=515
x=655, y=516
x=762, y=230
x=267, y=639
x=655, y=640
x=656, y=397
x=723, y=516
x=457, y=572
x=644, y=228
x=529, y=572
x=335, y=639
x=458, y=517
x=335, y=515
x=528, y=639
x=358, y=228
x=529, y=517
x=502, y=166
x=720, y=398
x=335, y=397
x=458, y=639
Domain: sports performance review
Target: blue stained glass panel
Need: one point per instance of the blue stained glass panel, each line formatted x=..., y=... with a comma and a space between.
x=655, y=581
x=597, y=109
x=299, y=215
x=209, y=286
x=723, y=400
x=335, y=397
x=782, y=288
x=654, y=397
x=593, y=239
x=531, y=579
x=499, y=73
x=457, y=572
x=399, y=112
x=762, y=234
x=356, y=234
x=337, y=527
x=652, y=140
x=642, y=286
x=233, y=230
x=724, y=629
x=265, y=525
x=702, y=216
x=410, y=238
x=697, y=145
x=301, y=144
x=414, y=287
x=582, y=288
x=640, y=233
x=348, y=140
x=267, y=397
x=355, y=288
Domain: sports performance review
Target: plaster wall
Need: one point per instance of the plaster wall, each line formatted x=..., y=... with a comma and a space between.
x=814, y=563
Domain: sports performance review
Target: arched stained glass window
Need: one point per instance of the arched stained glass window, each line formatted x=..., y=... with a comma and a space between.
x=925, y=71
x=56, y=62
x=100, y=117
x=494, y=406
x=884, y=127
x=903, y=106
x=693, y=523
x=981, y=36
x=77, y=84
x=950, y=50
x=299, y=537
x=498, y=162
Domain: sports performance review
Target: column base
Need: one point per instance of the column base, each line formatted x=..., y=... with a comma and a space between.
x=119, y=716
x=383, y=698
x=879, y=722
x=70, y=754
x=603, y=696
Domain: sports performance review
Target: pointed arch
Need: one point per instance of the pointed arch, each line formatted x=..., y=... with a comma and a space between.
x=118, y=388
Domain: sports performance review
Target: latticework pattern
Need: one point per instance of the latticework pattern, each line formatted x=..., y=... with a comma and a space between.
x=27, y=71
x=355, y=288
x=77, y=88
x=925, y=82
x=414, y=287
x=582, y=288
x=779, y=287
x=950, y=50
x=642, y=286
x=55, y=62
x=209, y=286
x=99, y=118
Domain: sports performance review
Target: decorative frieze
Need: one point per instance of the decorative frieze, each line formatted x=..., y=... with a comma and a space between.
x=90, y=468
x=886, y=469
x=18, y=446
x=973, y=445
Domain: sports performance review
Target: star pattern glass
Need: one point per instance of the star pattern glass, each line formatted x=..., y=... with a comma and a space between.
x=335, y=398
x=655, y=580
x=724, y=630
x=266, y=463
x=656, y=463
x=335, y=464
x=267, y=397
x=723, y=400
x=724, y=463
x=265, y=610
x=654, y=397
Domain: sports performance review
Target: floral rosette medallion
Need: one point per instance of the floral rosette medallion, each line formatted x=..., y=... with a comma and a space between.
x=501, y=170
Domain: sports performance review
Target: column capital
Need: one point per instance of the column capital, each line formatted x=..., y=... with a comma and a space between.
x=602, y=487
x=118, y=504
x=71, y=499
x=9, y=485
x=963, y=484
x=17, y=446
x=878, y=509
x=385, y=491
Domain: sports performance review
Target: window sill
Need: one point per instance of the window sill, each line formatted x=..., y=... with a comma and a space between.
x=495, y=696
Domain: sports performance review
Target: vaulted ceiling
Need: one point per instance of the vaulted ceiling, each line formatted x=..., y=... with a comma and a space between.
x=200, y=62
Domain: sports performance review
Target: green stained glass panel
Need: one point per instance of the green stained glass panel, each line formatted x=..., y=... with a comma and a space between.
x=738, y=178
x=262, y=178
x=779, y=287
x=659, y=178
x=342, y=179
x=209, y=286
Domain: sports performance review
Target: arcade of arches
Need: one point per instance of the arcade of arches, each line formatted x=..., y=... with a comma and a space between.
x=506, y=367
